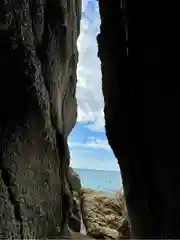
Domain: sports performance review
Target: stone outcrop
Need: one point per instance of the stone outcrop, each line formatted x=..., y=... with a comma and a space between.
x=38, y=58
x=124, y=230
x=138, y=49
x=104, y=216
x=75, y=186
x=74, y=180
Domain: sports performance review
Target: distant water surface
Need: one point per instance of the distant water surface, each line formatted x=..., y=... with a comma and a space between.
x=106, y=181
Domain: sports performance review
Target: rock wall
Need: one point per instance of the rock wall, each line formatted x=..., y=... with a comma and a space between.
x=138, y=49
x=38, y=58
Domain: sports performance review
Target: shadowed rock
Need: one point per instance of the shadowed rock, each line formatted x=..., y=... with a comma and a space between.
x=74, y=180
x=38, y=58
x=75, y=187
x=138, y=49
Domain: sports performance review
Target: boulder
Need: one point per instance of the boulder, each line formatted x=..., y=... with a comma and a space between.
x=75, y=188
x=75, y=214
x=124, y=231
x=74, y=180
x=103, y=216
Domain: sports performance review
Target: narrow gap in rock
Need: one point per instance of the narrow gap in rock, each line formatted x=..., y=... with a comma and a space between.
x=94, y=173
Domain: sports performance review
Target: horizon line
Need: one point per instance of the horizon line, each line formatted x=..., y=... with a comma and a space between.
x=112, y=170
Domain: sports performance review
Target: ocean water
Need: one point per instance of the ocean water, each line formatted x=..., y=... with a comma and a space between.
x=106, y=181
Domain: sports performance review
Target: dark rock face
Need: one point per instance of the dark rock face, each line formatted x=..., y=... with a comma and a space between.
x=141, y=109
x=38, y=59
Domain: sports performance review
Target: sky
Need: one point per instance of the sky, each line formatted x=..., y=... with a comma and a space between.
x=88, y=144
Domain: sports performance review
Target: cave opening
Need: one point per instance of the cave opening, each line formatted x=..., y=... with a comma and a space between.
x=91, y=157
x=38, y=58
x=88, y=137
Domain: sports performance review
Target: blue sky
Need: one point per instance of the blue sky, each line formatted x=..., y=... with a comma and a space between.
x=88, y=143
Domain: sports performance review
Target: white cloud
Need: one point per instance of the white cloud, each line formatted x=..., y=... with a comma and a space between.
x=84, y=4
x=89, y=92
x=92, y=143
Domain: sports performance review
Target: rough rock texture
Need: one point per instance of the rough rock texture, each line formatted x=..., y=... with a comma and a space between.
x=138, y=49
x=74, y=180
x=75, y=216
x=104, y=216
x=75, y=187
x=38, y=58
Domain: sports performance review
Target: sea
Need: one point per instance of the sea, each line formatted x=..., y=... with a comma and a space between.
x=107, y=181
